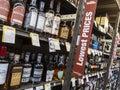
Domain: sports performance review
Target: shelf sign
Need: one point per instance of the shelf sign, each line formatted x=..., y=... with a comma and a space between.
x=8, y=35
x=47, y=86
x=85, y=34
x=35, y=39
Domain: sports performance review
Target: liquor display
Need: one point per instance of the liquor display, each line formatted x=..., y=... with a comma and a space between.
x=26, y=68
x=31, y=16
x=41, y=18
x=16, y=15
x=4, y=10
x=37, y=69
x=49, y=19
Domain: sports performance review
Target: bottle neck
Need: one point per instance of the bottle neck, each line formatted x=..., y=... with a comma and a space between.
x=39, y=58
x=27, y=57
x=58, y=8
x=51, y=4
x=42, y=5
x=33, y=3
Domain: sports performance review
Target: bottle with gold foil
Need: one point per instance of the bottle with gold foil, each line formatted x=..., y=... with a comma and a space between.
x=49, y=19
x=4, y=10
x=16, y=15
x=64, y=31
x=59, y=71
x=56, y=21
x=31, y=16
x=41, y=18
x=3, y=66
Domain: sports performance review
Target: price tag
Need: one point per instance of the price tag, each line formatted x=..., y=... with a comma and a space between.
x=73, y=82
x=57, y=44
x=62, y=82
x=67, y=46
x=8, y=34
x=87, y=78
x=47, y=86
x=51, y=45
x=29, y=89
x=35, y=39
x=39, y=88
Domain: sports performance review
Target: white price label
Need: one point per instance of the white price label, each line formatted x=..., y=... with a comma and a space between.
x=51, y=45
x=73, y=82
x=67, y=46
x=87, y=78
x=57, y=44
x=29, y=89
x=39, y=88
x=47, y=86
x=35, y=39
x=62, y=82
x=8, y=35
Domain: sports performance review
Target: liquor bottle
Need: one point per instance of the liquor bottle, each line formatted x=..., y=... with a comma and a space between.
x=26, y=68
x=50, y=67
x=41, y=18
x=64, y=31
x=59, y=71
x=56, y=21
x=49, y=19
x=4, y=10
x=31, y=16
x=3, y=66
x=16, y=15
x=37, y=70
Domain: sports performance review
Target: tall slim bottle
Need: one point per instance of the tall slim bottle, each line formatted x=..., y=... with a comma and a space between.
x=49, y=19
x=41, y=18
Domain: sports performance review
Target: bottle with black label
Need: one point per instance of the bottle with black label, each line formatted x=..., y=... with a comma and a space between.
x=31, y=16
x=56, y=21
x=41, y=18
x=26, y=68
x=3, y=66
x=49, y=19
x=16, y=15
x=37, y=70
x=4, y=10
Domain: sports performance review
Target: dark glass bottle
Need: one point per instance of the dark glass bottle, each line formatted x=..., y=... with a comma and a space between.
x=26, y=68
x=4, y=10
x=49, y=19
x=41, y=18
x=16, y=15
x=31, y=16
x=3, y=66
x=37, y=70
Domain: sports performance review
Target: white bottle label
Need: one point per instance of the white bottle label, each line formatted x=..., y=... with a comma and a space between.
x=40, y=23
x=3, y=72
x=25, y=80
x=33, y=19
x=56, y=25
x=26, y=72
x=49, y=22
x=38, y=72
x=49, y=75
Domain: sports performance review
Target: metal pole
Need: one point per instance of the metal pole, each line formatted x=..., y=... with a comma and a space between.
x=112, y=48
x=80, y=13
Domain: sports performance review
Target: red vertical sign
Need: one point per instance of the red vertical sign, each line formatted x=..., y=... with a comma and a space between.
x=85, y=34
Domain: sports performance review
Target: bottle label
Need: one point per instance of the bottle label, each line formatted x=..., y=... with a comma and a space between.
x=16, y=58
x=4, y=9
x=16, y=76
x=56, y=24
x=18, y=15
x=49, y=22
x=33, y=19
x=36, y=79
x=49, y=75
x=38, y=72
x=3, y=72
x=25, y=80
x=60, y=74
x=64, y=32
x=26, y=72
x=40, y=23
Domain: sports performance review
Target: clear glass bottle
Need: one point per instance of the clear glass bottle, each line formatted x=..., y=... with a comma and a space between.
x=37, y=70
x=4, y=10
x=56, y=21
x=41, y=18
x=16, y=16
x=31, y=16
x=49, y=19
